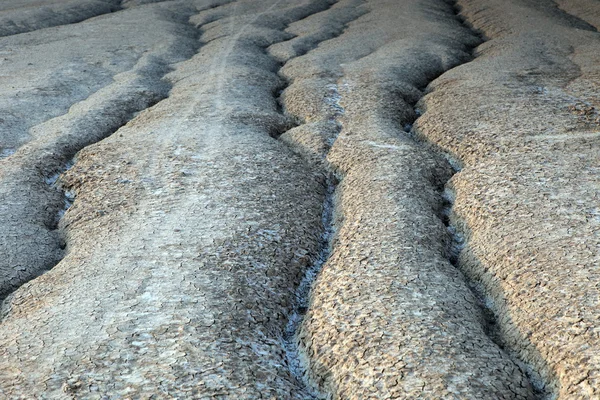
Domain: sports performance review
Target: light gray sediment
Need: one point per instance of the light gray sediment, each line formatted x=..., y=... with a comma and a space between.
x=20, y=16
x=372, y=329
x=309, y=199
x=30, y=200
x=180, y=271
x=529, y=175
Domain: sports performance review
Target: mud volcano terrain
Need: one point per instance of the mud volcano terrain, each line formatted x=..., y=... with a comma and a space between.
x=300, y=199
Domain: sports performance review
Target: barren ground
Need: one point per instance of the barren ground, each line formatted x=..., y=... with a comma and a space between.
x=300, y=199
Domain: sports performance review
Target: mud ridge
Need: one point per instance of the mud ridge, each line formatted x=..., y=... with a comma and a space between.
x=61, y=17
x=54, y=183
x=290, y=341
x=458, y=240
x=66, y=159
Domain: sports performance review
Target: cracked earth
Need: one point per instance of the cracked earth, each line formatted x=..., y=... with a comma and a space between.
x=300, y=199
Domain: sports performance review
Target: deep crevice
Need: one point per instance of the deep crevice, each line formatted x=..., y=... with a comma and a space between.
x=491, y=325
x=52, y=175
x=458, y=240
x=290, y=340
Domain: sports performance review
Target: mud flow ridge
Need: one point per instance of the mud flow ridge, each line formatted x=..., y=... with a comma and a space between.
x=52, y=14
x=300, y=199
x=457, y=240
x=388, y=183
x=297, y=365
x=88, y=122
x=56, y=213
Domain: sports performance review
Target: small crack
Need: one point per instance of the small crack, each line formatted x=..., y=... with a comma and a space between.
x=68, y=196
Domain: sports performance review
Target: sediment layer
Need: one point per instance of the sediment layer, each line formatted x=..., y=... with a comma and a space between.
x=354, y=199
x=522, y=120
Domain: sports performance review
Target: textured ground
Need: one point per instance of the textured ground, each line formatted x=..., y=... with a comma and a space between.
x=300, y=199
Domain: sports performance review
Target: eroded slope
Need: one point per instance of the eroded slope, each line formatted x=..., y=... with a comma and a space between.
x=180, y=267
x=522, y=118
x=228, y=151
x=390, y=316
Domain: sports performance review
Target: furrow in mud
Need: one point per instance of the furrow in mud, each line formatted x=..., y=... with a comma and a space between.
x=338, y=19
x=528, y=177
x=297, y=365
x=492, y=321
x=457, y=242
x=191, y=230
x=392, y=242
x=388, y=286
x=31, y=175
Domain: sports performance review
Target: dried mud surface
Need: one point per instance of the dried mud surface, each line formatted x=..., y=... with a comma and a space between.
x=314, y=199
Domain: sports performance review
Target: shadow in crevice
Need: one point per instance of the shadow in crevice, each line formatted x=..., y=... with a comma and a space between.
x=499, y=324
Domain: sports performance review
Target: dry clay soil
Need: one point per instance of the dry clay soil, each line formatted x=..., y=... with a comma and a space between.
x=300, y=199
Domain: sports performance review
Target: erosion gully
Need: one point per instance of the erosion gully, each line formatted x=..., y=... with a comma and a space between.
x=290, y=344
x=458, y=241
x=52, y=176
x=456, y=244
x=302, y=296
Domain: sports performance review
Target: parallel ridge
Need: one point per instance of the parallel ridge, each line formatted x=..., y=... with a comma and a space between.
x=525, y=197
x=180, y=271
x=292, y=148
x=389, y=317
